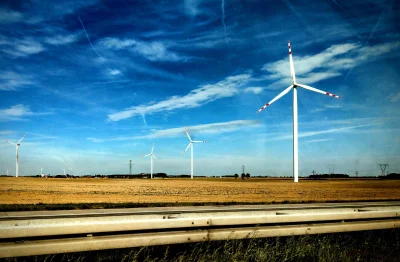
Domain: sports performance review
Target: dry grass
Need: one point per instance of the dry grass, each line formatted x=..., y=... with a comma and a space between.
x=57, y=191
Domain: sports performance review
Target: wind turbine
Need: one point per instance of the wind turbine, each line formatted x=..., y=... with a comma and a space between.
x=16, y=154
x=63, y=170
x=191, y=152
x=295, y=122
x=151, y=161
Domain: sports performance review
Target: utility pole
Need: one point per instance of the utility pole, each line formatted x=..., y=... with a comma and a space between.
x=130, y=167
x=383, y=168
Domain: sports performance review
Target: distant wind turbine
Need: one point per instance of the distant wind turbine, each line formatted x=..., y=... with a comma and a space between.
x=16, y=154
x=191, y=152
x=63, y=170
x=151, y=155
x=295, y=122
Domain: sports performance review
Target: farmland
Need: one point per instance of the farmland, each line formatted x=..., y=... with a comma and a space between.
x=202, y=190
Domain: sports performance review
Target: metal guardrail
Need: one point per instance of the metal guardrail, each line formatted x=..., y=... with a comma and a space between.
x=38, y=233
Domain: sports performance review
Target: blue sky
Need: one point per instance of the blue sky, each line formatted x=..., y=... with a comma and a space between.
x=96, y=83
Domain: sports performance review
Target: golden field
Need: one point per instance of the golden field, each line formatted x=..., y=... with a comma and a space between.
x=61, y=191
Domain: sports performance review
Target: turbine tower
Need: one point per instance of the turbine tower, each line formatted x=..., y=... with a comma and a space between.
x=16, y=154
x=295, y=122
x=191, y=152
x=151, y=161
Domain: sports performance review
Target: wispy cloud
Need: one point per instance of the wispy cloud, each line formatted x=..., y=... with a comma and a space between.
x=9, y=16
x=306, y=64
x=213, y=128
x=6, y=132
x=12, y=81
x=333, y=61
x=114, y=72
x=17, y=112
x=154, y=51
x=320, y=109
x=394, y=97
x=20, y=48
x=197, y=97
x=61, y=39
x=321, y=132
x=318, y=140
x=255, y=90
x=191, y=7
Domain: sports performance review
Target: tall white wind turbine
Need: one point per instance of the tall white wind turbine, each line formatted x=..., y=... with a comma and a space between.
x=295, y=122
x=191, y=152
x=151, y=155
x=16, y=154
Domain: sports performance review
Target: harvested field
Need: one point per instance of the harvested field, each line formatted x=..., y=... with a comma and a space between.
x=62, y=191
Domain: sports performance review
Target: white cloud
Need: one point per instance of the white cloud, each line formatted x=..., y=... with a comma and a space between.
x=6, y=132
x=318, y=140
x=17, y=112
x=255, y=90
x=20, y=48
x=213, y=128
x=394, y=97
x=197, y=97
x=154, y=51
x=11, y=81
x=61, y=39
x=9, y=16
x=114, y=72
x=334, y=106
x=191, y=7
x=321, y=132
x=222, y=127
x=307, y=64
x=332, y=61
x=115, y=43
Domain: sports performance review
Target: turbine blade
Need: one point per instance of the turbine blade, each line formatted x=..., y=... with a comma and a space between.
x=188, y=135
x=154, y=156
x=187, y=148
x=21, y=139
x=10, y=142
x=152, y=149
x=284, y=92
x=318, y=91
x=147, y=155
x=291, y=63
x=202, y=141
